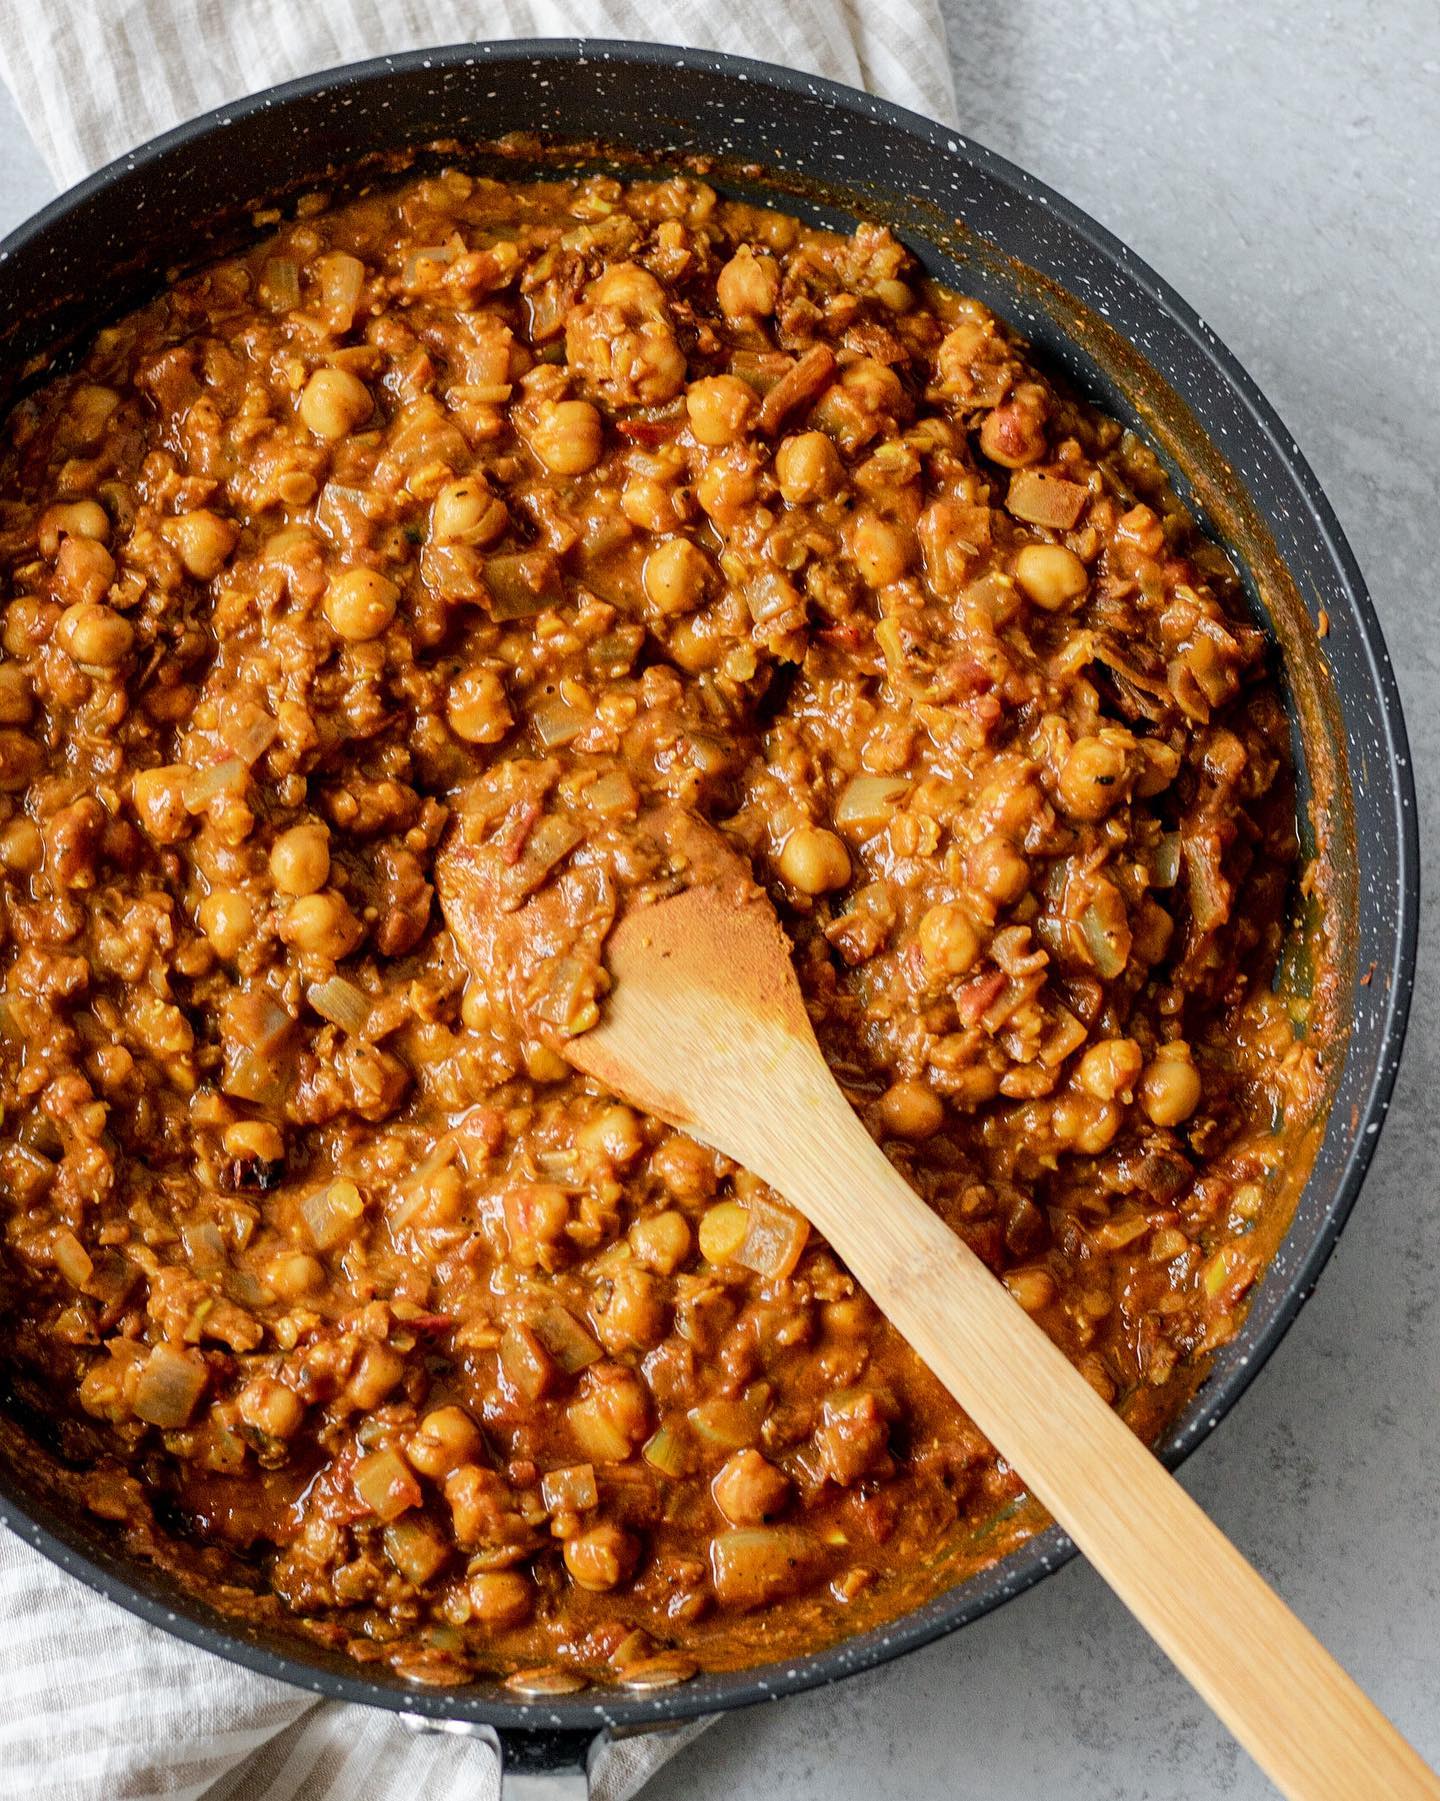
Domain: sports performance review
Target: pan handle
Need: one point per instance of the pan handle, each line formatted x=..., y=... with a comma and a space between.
x=545, y=1766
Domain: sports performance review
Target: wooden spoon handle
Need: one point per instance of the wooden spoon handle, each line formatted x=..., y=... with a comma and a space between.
x=1273, y=1684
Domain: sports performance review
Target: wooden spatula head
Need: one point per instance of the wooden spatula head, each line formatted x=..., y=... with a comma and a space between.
x=708, y=969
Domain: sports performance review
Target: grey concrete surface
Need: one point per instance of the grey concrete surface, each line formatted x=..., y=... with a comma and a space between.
x=1280, y=164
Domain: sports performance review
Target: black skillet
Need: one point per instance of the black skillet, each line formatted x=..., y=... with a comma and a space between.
x=1093, y=311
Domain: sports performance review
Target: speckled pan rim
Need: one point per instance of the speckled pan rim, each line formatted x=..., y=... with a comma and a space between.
x=460, y=1709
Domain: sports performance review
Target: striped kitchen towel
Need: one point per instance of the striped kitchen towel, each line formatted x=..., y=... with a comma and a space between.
x=96, y=1706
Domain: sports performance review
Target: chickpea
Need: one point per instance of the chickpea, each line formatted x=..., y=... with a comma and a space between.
x=1072, y=1116
x=269, y=1407
x=96, y=636
x=724, y=490
x=1011, y=802
x=1170, y=1088
x=633, y=1317
x=873, y=384
x=748, y=286
x=1108, y=1069
x=685, y=1170
x=254, y=1140
x=567, y=436
x=17, y=699
x=444, y=1439
x=723, y=1229
x=295, y=1275
x=466, y=512
x=536, y=1215
x=334, y=402
x=631, y=289
x=84, y=570
x=89, y=412
x=227, y=920
x=28, y=622
x=1091, y=777
x=501, y=1599
x=158, y=796
x=600, y=1558
x=1050, y=575
x=911, y=1110
x=720, y=408
x=22, y=849
x=1034, y=1289
x=75, y=519
x=675, y=576
x=1013, y=434
x=661, y=1240
x=612, y=1414
x=815, y=860
x=748, y=1489
x=360, y=603
x=378, y=1375
x=808, y=467
x=202, y=540
x=614, y=1135
x=321, y=925
x=300, y=859
x=650, y=504
x=949, y=942
x=997, y=870
x=879, y=549
x=477, y=707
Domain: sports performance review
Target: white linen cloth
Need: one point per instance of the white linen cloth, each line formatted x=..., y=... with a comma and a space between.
x=95, y=1706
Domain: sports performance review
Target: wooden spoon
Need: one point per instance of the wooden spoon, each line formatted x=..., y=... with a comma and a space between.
x=706, y=1028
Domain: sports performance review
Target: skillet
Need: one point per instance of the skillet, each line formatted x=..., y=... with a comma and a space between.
x=1096, y=314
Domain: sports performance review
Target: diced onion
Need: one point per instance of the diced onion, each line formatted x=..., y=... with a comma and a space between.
x=169, y=1388
x=330, y=1213
x=1231, y=1267
x=570, y=1490
x=616, y=651
x=342, y=278
x=1115, y=1234
x=1048, y=500
x=336, y=508
x=1165, y=864
x=774, y=1240
x=732, y=1424
x=665, y=1452
x=414, y=1550
x=751, y=1565
x=425, y=266
x=557, y=722
x=526, y=1362
x=384, y=1483
x=868, y=802
x=522, y=583
x=568, y=1002
x=204, y=1245
x=280, y=284
x=250, y=732
x=1105, y=953
x=1210, y=892
x=206, y=785
x=597, y=1432
x=551, y=841
x=72, y=1259
x=256, y=1078
x=566, y=1339
x=341, y=1002
x=612, y=795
